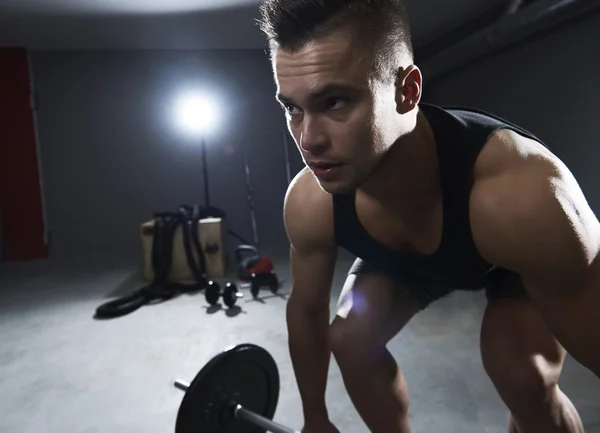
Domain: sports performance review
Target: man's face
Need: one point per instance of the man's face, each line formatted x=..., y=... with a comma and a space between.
x=342, y=120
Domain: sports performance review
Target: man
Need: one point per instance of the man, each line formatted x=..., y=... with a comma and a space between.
x=430, y=200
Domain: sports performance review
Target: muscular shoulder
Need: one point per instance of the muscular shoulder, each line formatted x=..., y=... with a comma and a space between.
x=507, y=150
x=509, y=168
x=521, y=190
x=308, y=213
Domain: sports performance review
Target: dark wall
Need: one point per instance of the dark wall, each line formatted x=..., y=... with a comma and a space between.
x=112, y=156
x=550, y=86
x=21, y=205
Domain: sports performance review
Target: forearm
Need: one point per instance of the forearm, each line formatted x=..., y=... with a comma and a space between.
x=310, y=355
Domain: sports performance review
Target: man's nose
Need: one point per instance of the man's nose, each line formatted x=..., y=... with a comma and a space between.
x=312, y=137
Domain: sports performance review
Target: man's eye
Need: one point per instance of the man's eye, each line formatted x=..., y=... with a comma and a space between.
x=335, y=103
x=289, y=108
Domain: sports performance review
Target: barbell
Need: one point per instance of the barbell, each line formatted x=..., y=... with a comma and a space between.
x=235, y=392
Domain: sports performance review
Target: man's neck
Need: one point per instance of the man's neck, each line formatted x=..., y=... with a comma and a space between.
x=409, y=172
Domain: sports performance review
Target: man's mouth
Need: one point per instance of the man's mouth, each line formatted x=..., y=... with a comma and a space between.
x=325, y=171
x=325, y=166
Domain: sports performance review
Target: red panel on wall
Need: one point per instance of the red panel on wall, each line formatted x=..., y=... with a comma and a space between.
x=20, y=193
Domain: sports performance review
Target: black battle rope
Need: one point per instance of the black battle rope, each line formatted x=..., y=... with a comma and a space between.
x=161, y=289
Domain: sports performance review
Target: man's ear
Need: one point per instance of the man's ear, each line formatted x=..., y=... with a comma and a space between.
x=409, y=86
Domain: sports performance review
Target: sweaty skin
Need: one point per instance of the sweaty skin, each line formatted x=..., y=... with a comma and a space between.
x=355, y=132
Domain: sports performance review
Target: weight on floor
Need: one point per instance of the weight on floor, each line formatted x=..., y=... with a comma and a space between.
x=236, y=391
x=268, y=279
x=230, y=293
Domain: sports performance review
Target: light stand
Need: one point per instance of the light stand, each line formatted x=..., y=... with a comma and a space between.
x=250, y=198
x=195, y=113
x=205, y=172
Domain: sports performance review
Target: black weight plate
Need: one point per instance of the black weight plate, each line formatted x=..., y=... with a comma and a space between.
x=246, y=372
x=229, y=295
x=212, y=293
x=255, y=287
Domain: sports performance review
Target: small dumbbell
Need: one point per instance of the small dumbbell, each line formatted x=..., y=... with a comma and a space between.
x=258, y=280
x=230, y=294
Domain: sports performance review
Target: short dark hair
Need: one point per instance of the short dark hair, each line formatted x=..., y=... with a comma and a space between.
x=291, y=24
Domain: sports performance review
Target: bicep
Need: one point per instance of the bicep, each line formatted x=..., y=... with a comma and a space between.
x=308, y=214
x=312, y=275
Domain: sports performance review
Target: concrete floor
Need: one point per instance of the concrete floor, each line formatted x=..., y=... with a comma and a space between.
x=63, y=371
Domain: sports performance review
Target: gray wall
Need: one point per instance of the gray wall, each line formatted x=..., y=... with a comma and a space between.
x=111, y=156
x=550, y=86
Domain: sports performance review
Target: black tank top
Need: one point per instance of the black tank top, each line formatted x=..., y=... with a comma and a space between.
x=460, y=134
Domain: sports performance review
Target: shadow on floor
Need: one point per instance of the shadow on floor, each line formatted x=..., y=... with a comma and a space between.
x=130, y=284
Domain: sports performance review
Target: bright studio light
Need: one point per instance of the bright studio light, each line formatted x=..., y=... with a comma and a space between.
x=195, y=113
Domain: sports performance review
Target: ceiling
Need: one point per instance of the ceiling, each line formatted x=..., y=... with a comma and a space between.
x=177, y=24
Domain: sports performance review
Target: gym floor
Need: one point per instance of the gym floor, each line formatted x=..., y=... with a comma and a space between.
x=63, y=371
